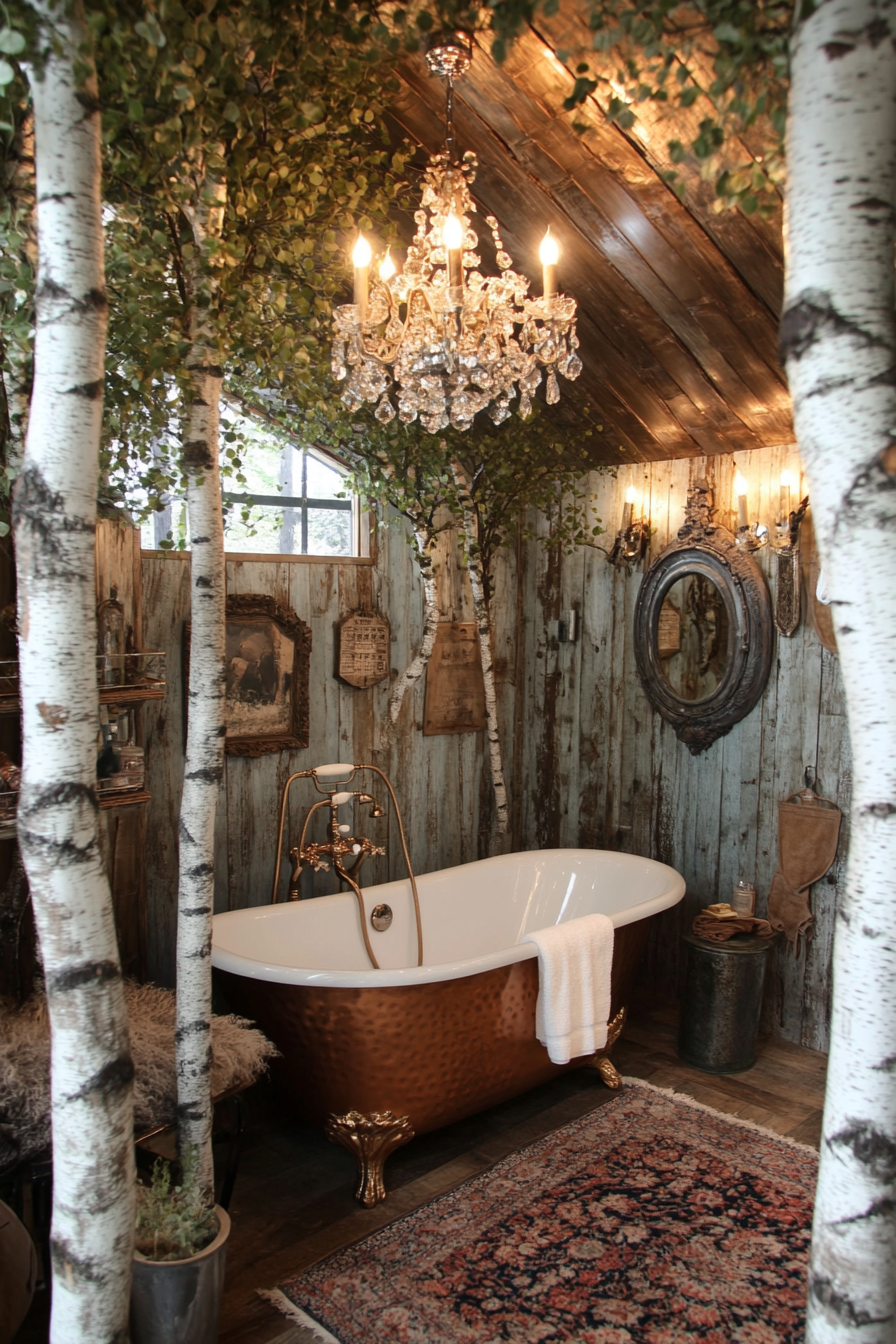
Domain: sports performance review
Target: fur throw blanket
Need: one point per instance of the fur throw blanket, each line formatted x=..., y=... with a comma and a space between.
x=240, y=1054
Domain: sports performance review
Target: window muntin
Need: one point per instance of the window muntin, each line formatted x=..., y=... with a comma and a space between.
x=291, y=506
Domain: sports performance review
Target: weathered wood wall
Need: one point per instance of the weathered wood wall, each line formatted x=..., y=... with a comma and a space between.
x=586, y=759
x=603, y=769
x=437, y=778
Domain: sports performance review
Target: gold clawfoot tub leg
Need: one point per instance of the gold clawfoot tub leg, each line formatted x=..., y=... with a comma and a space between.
x=371, y=1138
x=601, y=1061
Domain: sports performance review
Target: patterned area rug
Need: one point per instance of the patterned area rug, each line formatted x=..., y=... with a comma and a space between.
x=652, y=1220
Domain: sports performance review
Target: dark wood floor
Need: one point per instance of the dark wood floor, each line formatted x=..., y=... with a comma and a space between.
x=294, y=1201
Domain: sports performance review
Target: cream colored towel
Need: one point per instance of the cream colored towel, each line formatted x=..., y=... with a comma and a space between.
x=573, y=1008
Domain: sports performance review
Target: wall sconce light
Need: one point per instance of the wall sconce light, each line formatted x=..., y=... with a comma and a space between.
x=632, y=538
x=787, y=559
x=787, y=524
x=753, y=535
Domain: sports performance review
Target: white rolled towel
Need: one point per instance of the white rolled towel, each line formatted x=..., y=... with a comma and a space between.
x=573, y=1008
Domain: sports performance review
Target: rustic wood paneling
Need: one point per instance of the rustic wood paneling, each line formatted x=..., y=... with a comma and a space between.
x=677, y=305
x=751, y=244
x=122, y=835
x=117, y=565
x=587, y=761
x=122, y=828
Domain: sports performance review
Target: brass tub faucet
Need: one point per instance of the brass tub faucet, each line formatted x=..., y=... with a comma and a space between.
x=345, y=851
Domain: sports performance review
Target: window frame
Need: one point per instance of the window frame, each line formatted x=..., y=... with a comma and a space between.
x=304, y=504
x=361, y=523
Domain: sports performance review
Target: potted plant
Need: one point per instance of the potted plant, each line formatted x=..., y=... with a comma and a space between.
x=178, y=1272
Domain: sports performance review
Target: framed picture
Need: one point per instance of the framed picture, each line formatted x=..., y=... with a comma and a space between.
x=268, y=655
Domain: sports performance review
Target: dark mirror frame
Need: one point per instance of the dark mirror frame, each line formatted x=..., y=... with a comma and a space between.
x=706, y=548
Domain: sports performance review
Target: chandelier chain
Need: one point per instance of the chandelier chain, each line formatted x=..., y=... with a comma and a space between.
x=449, y=120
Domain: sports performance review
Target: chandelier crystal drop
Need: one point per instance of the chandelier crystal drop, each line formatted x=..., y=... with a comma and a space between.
x=440, y=340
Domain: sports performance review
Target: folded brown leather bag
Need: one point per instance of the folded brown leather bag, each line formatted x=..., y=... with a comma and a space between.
x=808, y=833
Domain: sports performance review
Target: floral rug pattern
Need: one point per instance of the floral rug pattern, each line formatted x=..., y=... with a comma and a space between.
x=648, y=1221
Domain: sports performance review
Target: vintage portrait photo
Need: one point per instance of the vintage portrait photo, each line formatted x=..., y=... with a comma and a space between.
x=267, y=663
x=260, y=659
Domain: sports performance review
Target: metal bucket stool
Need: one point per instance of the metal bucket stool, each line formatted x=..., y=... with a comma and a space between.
x=722, y=1002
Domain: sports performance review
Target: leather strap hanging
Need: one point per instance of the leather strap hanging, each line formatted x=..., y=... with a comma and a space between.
x=808, y=833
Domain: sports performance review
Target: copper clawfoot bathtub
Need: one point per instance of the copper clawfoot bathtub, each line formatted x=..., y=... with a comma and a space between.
x=376, y=1056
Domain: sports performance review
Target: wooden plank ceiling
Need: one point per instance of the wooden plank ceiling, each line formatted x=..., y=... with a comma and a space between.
x=677, y=305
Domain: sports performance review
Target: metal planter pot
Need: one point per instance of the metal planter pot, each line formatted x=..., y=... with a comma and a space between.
x=178, y=1301
x=720, y=1012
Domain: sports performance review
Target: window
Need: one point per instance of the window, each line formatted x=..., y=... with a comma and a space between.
x=307, y=518
x=295, y=501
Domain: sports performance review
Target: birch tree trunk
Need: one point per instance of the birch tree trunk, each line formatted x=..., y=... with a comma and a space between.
x=484, y=627
x=840, y=345
x=417, y=666
x=204, y=764
x=92, y=1234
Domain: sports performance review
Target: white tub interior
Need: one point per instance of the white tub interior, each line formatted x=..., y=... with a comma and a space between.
x=473, y=919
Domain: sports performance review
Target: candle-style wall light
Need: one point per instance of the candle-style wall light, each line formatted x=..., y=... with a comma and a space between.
x=750, y=535
x=787, y=558
x=633, y=536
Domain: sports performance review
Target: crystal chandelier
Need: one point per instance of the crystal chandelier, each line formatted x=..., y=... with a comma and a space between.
x=441, y=340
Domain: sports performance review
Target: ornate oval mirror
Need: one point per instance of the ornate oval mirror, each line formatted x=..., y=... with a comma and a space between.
x=703, y=629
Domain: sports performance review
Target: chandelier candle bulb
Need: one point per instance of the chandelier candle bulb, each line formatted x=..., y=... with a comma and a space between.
x=452, y=241
x=740, y=486
x=361, y=262
x=387, y=267
x=549, y=254
x=628, y=508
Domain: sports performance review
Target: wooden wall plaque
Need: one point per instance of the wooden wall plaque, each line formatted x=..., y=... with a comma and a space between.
x=455, y=692
x=363, y=648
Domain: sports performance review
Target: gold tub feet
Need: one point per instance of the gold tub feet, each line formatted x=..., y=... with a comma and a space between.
x=371, y=1138
x=601, y=1061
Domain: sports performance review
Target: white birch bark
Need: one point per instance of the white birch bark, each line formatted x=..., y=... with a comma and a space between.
x=204, y=764
x=839, y=340
x=484, y=628
x=417, y=666
x=54, y=517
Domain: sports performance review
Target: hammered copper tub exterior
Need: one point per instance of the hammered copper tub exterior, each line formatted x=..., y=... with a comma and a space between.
x=435, y=1052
